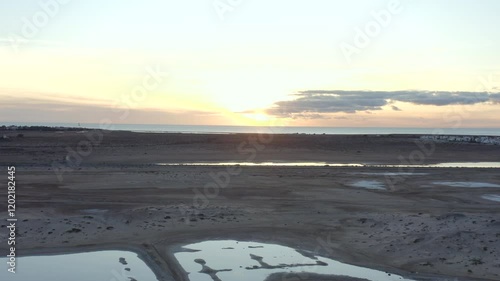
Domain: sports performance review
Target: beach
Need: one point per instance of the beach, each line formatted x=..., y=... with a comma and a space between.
x=88, y=190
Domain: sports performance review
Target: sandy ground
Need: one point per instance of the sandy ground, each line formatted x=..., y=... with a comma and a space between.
x=112, y=196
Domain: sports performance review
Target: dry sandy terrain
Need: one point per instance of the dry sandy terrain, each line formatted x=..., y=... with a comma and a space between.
x=112, y=196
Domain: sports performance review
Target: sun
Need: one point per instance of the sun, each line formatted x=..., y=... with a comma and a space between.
x=257, y=117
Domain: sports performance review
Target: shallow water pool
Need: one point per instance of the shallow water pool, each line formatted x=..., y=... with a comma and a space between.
x=468, y=164
x=265, y=164
x=228, y=260
x=391, y=174
x=369, y=184
x=91, y=266
x=471, y=184
x=491, y=197
x=328, y=164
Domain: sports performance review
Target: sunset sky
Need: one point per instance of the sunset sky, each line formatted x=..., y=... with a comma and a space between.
x=413, y=63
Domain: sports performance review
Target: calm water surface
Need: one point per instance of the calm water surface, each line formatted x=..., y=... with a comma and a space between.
x=91, y=266
x=230, y=260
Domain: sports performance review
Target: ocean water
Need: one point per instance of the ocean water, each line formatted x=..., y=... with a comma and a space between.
x=205, y=129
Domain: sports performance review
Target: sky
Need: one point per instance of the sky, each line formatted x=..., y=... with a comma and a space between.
x=357, y=63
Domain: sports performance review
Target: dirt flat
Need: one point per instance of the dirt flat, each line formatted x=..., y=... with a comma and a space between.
x=110, y=194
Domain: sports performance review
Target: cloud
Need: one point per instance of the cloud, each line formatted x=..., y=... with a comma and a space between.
x=395, y=108
x=37, y=97
x=42, y=110
x=309, y=116
x=320, y=102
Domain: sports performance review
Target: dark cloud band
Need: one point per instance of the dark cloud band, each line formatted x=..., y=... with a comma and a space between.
x=319, y=102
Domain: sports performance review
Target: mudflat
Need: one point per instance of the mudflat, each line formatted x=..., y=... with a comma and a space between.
x=84, y=190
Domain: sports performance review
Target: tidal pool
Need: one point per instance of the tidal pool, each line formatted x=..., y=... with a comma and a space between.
x=391, y=174
x=369, y=184
x=468, y=164
x=101, y=265
x=323, y=164
x=228, y=260
x=284, y=164
x=491, y=197
x=471, y=184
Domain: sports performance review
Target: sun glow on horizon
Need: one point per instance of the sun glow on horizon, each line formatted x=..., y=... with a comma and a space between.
x=245, y=69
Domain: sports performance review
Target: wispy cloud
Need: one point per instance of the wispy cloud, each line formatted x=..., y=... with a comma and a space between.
x=319, y=102
x=46, y=110
x=26, y=96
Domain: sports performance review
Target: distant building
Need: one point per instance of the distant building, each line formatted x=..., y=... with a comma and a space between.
x=492, y=140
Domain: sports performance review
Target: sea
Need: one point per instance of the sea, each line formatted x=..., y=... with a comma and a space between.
x=214, y=129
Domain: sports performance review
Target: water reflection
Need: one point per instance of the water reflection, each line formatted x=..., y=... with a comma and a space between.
x=467, y=165
x=369, y=184
x=102, y=265
x=472, y=184
x=228, y=260
x=299, y=164
x=491, y=197
x=327, y=164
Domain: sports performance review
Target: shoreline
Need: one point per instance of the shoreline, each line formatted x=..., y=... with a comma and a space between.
x=275, y=130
